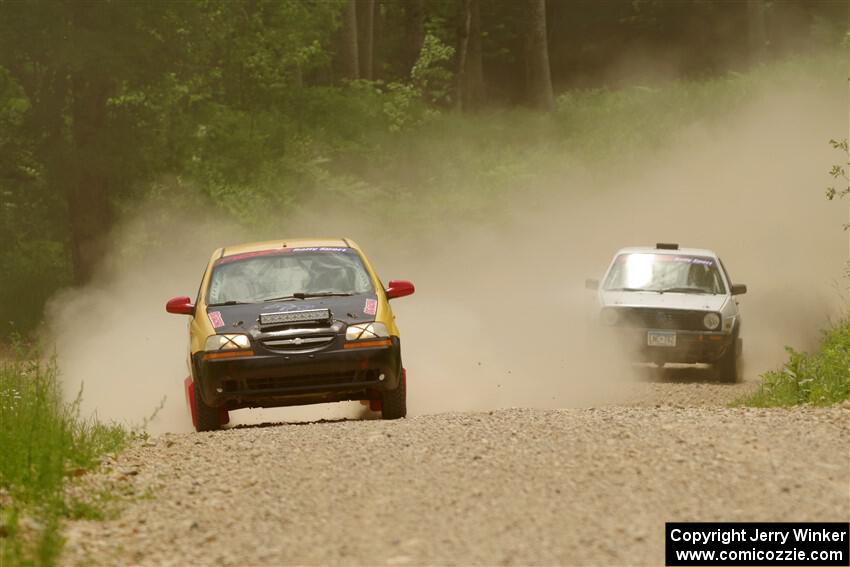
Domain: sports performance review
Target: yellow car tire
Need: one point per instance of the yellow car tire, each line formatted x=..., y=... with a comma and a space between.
x=394, y=402
x=207, y=418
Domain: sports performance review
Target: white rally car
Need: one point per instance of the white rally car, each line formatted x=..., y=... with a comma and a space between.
x=673, y=305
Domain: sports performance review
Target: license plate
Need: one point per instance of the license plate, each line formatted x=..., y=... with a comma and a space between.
x=661, y=338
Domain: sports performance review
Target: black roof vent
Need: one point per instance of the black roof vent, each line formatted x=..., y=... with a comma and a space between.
x=667, y=246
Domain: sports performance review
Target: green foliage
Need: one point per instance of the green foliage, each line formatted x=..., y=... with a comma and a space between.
x=400, y=106
x=44, y=441
x=232, y=106
x=33, y=257
x=430, y=74
x=38, y=267
x=471, y=167
x=376, y=143
x=839, y=173
x=820, y=378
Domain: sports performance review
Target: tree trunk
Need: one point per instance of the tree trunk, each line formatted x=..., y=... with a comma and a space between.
x=415, y=24
x=87, y=186
x=365, y=36
x=378, y=48
x=538, y=77
x=470, y=71
x=757, y=34
x=348, y=53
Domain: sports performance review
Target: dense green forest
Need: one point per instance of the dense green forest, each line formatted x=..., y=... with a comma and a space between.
x=246, y=107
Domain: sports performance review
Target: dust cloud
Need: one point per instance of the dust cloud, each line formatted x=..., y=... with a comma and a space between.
x=501, y=316
x=113, y=338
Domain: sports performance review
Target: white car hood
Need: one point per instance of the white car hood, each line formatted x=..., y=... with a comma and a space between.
x=663, y=300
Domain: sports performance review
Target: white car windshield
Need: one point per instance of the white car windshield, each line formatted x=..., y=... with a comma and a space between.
x=253, y=278
x=674, y=273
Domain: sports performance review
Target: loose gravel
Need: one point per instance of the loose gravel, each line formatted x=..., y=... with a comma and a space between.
x=508, y=487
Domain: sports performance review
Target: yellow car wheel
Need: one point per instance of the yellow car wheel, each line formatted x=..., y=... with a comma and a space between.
x=394, y=402
x=206, y=418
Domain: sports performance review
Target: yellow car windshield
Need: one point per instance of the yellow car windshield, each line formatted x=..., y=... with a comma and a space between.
x=254, y=278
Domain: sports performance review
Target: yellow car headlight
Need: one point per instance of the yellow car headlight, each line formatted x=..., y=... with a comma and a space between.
x=365, y=331
x=227, y=342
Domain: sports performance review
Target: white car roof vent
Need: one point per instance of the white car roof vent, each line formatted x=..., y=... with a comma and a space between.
x=667, y=246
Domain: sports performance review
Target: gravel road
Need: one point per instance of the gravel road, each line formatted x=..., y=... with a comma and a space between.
x=513, y=487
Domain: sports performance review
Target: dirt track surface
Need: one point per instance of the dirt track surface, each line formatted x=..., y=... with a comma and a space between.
x=512, y=487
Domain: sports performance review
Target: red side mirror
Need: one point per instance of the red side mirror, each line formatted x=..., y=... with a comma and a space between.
x=180, y=306
x=399, y=288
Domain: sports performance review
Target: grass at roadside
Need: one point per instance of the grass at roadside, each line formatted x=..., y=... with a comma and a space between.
x=44, y=442
x=820, y=378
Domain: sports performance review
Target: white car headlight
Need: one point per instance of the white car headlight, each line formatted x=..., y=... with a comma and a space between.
x=364, y=331
x=711, y=321
x=227, y=342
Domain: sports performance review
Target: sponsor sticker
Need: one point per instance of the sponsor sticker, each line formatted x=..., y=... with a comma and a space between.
x=321, y=249
x=278, y=252
x=694, y=260
x=371, y=307
x=215, y=319
x=249, y=255
x=294, y=307
x=628, y=258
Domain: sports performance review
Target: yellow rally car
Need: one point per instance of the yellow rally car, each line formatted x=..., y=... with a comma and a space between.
x=292, y=322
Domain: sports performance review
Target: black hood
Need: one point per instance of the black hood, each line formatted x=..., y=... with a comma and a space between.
x=244, y=318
